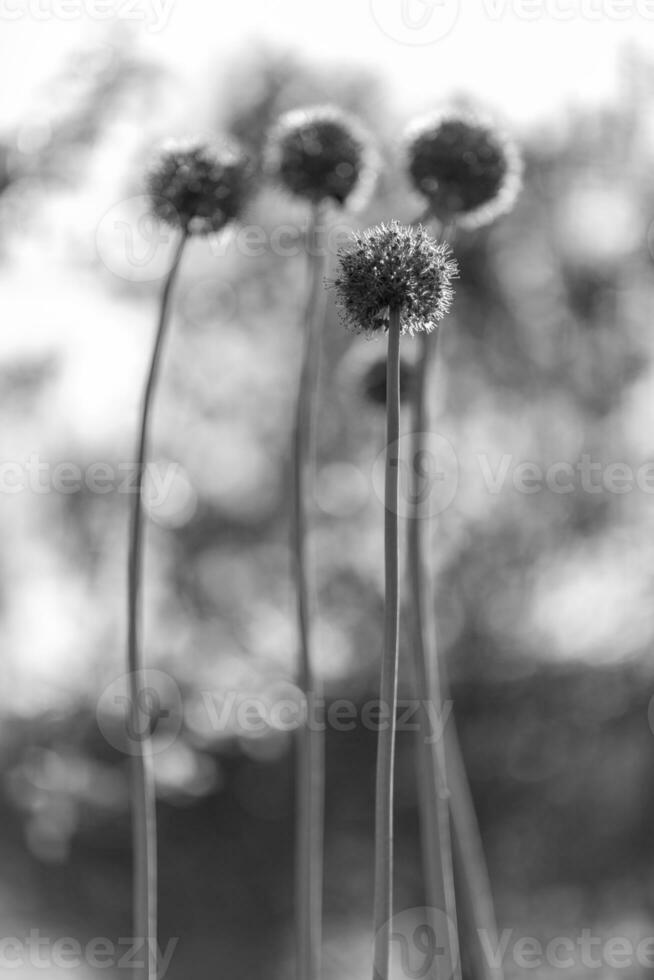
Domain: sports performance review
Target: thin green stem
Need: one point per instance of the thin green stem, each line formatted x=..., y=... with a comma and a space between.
x=384, y=790
x=144, y=822
x=310, y=777
x=432, y=778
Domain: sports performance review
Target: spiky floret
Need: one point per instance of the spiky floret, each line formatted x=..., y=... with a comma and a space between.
x=464, y=166
x=320, y=154
x=199, y=185
x=389, y=267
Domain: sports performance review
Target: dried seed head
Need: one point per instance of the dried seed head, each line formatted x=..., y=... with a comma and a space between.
x=394, y=267
x=198, y=185
x=320, y=154
x=465, y=168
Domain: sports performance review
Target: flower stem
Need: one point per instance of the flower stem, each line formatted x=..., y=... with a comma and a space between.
x=310, y=745
x=144, y=824
x=469, y=851
x=432, y=780
x=441, y=763
x=383, y=886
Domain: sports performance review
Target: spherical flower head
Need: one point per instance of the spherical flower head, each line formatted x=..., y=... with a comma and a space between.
x=320, y=154
x=465, y=168
x=394, y=267
x=199, y=186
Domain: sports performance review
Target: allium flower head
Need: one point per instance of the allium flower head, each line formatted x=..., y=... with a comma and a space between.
x=394, y=267
x=465, y=168
x=320, y=154
x=198, y=185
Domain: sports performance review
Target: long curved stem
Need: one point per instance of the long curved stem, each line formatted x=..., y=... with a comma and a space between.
x=384, y=790
x=444, y=778
x=310, y=741
x=144, y=824
x=432, y=782
x=469, y=852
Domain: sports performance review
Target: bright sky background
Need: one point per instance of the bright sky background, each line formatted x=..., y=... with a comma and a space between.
x=526, y=67
x=527, y=56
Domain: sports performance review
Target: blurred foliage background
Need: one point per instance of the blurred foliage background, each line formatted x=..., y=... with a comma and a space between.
x=544, y=599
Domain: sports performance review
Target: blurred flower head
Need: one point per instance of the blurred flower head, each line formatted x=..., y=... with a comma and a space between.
x=466, y=169
x=394, y=267
x=321, y=154
x=198, y=185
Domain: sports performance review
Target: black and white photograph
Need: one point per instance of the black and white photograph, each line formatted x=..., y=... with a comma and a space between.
x=327, y=490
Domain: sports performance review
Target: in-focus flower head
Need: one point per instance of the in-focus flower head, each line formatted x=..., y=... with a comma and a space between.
x=468, y=171
x=320, y=154
x=199, y=185
x=392, y=266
